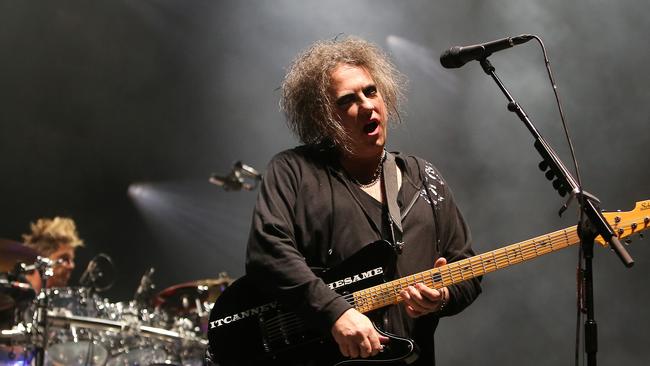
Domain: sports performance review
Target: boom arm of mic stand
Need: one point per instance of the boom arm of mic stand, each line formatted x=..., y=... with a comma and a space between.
x=564, y=182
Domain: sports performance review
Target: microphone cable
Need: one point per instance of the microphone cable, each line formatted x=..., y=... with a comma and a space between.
x=580, y=265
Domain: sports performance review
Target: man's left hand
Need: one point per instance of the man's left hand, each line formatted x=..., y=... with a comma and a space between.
x=421, y=299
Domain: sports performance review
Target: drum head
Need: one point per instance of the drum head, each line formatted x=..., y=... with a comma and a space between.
x=140, y=356
x=76, y=354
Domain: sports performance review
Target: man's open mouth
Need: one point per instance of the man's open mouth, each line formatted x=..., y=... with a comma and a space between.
x=370, y=127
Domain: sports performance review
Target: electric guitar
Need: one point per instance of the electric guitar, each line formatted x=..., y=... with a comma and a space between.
x=248, y=329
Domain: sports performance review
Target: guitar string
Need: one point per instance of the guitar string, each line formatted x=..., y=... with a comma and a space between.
x=502, y=257
x=523, y=251
x=531, y=250
x=387, y=294
x=458, y=271
x=498, y=259
x=527, y=251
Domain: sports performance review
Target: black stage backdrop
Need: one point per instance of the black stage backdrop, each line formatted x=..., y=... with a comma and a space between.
x=116, y=112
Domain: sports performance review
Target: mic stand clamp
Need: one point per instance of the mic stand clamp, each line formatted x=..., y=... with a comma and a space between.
x=593, y=222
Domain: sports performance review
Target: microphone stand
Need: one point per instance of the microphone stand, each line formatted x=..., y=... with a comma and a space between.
x=593, y=222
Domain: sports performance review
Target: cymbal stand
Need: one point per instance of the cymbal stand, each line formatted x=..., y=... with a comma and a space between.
x=44, y=266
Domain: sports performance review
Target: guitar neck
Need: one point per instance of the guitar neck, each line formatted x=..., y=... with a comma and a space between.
x=379, y=296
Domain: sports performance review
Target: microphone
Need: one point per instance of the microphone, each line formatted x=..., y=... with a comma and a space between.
x=235, y=180
x=458, y=56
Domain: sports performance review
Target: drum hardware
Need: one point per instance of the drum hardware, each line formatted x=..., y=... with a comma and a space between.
x=73, y=326
x=186, y=299
x=99, y=274
x=144, y=292
x=44, y=266
x=241, y=176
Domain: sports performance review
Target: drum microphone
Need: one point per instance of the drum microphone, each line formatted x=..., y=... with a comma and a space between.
x=236, y=179
x=98, y=273
x=458, y=56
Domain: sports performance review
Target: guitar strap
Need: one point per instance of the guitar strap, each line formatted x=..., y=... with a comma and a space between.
x=394, y=215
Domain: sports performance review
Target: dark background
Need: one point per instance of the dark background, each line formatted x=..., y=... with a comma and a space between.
x=100, y=96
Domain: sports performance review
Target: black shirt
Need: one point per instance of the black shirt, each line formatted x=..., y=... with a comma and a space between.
x=310, y=214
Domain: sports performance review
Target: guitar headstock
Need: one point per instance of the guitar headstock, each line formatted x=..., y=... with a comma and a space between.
x=628, y=223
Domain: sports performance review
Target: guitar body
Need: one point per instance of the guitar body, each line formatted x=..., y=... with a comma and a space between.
x=248, y=329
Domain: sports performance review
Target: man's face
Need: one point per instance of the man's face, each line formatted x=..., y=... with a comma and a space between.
x=63, y=259
x=361, y=109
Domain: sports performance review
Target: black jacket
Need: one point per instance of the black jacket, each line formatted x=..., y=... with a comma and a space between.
x=310, y=214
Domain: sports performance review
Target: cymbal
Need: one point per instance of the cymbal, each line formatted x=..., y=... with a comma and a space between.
x=182, y=298
x=12, y=252
x=14, y=293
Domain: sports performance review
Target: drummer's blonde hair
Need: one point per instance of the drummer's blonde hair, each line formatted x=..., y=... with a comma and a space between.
x=49, y=234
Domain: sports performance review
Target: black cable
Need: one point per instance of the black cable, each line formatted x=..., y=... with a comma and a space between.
x=579, y=195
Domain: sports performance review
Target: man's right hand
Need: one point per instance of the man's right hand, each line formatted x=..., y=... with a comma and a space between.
x=356, y=336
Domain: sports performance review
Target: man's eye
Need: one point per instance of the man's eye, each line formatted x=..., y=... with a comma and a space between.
x=344, y=100
x=370, y=91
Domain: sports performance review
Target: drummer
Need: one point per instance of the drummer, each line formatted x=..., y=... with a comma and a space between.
x=57, y=239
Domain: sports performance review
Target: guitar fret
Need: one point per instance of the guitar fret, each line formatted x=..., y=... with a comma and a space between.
x=528, y=254
x=451, y=275
x=494, y=260
x=460, y=269
x=437, y=277
x=480, y=257
x=566, y=238
x=471, y=267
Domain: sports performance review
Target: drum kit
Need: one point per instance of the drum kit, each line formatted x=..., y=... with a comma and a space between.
x=74, y=326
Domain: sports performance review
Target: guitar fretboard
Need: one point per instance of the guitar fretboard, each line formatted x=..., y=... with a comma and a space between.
x=388, y=293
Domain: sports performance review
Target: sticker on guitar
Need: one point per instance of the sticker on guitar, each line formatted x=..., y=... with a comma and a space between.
x=356, y=278
x=243, y=314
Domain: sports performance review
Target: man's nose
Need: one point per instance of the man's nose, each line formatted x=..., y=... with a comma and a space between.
x=366, y=104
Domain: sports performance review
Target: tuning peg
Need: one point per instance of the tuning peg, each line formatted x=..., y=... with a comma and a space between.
x=641, y=236
x=628, y=241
